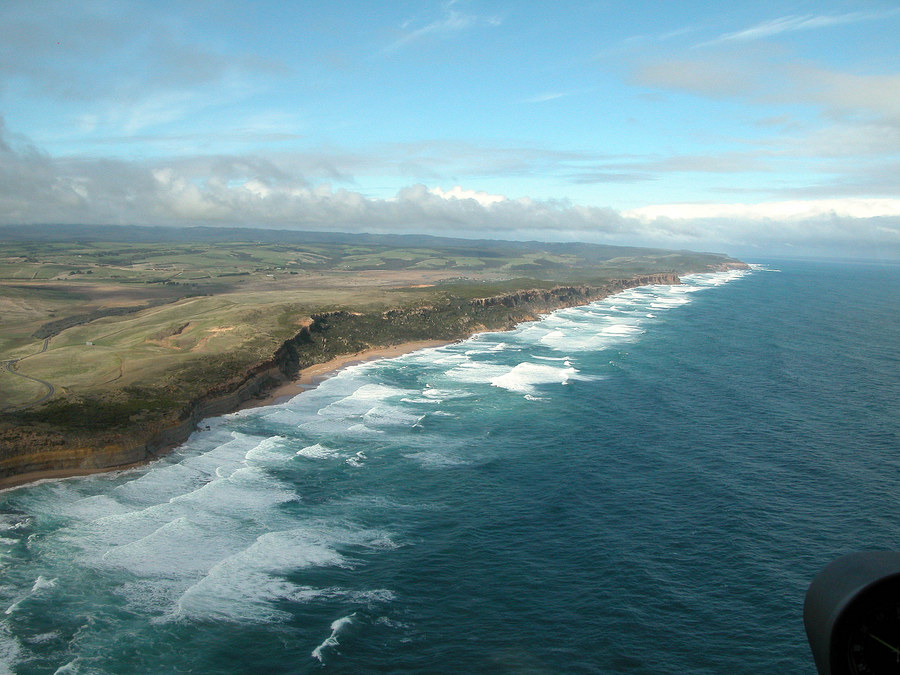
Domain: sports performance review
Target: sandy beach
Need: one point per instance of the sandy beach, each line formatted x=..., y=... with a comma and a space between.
x=309, y=378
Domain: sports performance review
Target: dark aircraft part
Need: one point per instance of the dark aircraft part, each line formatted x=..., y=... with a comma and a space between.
x=852, y=615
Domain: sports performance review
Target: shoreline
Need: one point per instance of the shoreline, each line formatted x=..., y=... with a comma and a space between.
x=305, y=380
x=271, y=386
x=311, y=377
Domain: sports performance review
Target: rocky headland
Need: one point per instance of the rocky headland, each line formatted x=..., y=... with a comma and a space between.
x=35, y=451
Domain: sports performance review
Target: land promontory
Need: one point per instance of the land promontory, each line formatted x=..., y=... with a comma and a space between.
x=116, y=342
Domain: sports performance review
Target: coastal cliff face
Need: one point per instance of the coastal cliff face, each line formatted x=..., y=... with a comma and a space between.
x=571, y=296
x=41, y=452
x=336, y=333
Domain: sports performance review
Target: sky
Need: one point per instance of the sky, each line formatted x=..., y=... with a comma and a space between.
x=750, y=128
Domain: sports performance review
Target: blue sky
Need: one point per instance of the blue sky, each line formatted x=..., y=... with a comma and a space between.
x=752, y=128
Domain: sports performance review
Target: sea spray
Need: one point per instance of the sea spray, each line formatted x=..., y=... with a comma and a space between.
x=654, y=475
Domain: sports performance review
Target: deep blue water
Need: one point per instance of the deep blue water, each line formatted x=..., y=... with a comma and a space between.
x=643, y=485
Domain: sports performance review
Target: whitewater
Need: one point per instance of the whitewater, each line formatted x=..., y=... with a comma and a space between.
x=644, y=484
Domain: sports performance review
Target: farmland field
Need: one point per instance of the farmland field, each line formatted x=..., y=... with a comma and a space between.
x=101, y=334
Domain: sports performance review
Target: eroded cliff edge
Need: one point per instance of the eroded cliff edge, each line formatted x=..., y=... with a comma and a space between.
x=33, y=451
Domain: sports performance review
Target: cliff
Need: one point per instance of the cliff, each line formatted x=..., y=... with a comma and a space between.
x=48, y=453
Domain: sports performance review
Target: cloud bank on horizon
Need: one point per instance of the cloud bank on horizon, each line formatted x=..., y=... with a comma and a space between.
x=765, y=128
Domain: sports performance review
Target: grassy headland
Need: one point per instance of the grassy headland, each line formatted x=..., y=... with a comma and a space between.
x=114, y=341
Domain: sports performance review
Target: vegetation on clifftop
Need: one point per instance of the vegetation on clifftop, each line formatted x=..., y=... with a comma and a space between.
x=109, y=341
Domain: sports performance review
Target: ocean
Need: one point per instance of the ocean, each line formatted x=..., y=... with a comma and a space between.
x=646, y=484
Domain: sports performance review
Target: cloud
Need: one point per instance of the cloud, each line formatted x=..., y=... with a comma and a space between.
x=256, y=191
x=722, y=76
x=717, y=163
x=127, y=66
x=846, y=95
x=548, y=96
x=59, y=46
x=767, y=76
x=784, y=210
x=598, y=176
x=815, y=115
x=451, y=22
x=791, y=24
x=830, y=227
x=456, y=192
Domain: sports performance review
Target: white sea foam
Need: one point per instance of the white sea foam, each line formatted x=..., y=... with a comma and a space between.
x=363, y=430
x=88, y=541
x=620, y=329
x=357, y=459
x=476, y=372
x=247, y=585
x=12, y=521
x=10, y=650
x=663, y=302
x=244, y=586
x=181, y=537
x=41, y=638
x=707, y=279
x=225, y=452
x=553, y=335
x=362, y=400
x=332, y=641
x=201, y=534
x=435, y=459
x=481, y=345
x=390, y=416
x=441, y=395
x=525, y=376
x=268, y=450
x=153, y=596
x=442, y=358
x=247, y=490
x=316, y=451
x=176, y=549
x=88, y=508
x=430, y=401
x=40, y=584
x=582, y=340
x=309, y=594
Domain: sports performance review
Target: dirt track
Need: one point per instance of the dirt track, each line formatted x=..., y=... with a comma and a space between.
x=10, y=368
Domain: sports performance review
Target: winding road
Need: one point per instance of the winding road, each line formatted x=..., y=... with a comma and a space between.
x=11, y=368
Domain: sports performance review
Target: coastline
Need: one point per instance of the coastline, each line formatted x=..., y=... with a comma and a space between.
x=311, y=377
x=305, y=380
x=270, y=384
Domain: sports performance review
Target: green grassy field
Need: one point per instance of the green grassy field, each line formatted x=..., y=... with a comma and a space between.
x=130, y=329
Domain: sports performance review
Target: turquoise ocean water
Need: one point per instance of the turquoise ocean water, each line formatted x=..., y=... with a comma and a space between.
x=643, y=485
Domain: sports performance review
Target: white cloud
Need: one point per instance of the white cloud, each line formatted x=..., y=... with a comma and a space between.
x=242, y=191
x=790, y=24
x=822, y=115
x=713, y=77
x=782, y=210
x=123, y=66
x=456, y=192
x=452, y=21
x=548, y=96
x=843, y=93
